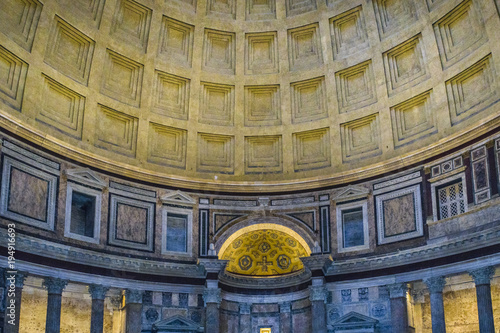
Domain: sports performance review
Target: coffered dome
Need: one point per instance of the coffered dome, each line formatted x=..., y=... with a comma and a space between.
x=245, y=95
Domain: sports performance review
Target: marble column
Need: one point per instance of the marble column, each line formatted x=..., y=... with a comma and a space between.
x=212, y=299
x=399, y=307
x=317, y=296
x=285, y=317
x=245, y=323
x=482, y=277
x=133, y=310
x=436, y=285
x=98, y=293
x=14, y=283
x=55, y=287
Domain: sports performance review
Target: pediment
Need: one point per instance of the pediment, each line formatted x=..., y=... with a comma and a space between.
x=86, y=176
x=176, y=324
x=354, y=319
x=178, y=197
x=351, y=192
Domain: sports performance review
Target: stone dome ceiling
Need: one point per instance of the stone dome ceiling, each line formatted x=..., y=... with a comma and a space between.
x=247, y=95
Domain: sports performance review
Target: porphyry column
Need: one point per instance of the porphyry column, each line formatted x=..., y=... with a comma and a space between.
x=133, y=310
x=245, y=324
x=317, y=296
x=212, y=299
x=482, y=277
x=98, y=293
x=55, y=287
x=436, y=285
x=14, y=283
x=285, y=317
x=399, y=308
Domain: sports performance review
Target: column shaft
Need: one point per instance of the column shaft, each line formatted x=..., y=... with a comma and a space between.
x=133, y=319
x=245, y=324
x=485, y=309
x=437, y=313
x=53, y=318
x=97, y=316
x=482, y=278
x=212, y=318
x=285, y=318
x=399, y=315
x=54, y=288
x=12, y=311
x=318, y=316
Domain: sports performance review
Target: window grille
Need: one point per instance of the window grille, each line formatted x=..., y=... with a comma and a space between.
x=451, y=200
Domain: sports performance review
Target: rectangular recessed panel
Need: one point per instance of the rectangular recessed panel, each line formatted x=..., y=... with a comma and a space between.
x=472, y=90
x=413, y=119
x=122, y=78
x=62, y=108
x=216, y=104
x=304, y=47
x=356, y=87
x=263, y=154
x=13, y=72
x=131, y=23
x=308, y=100
x=69, y=51
x=19, y=21
x=219, y=51
x=167, y=145
x=311, y=149
x=215, y=153
x=360, y=138
x=261, y=53
x=171, y=95
x=116, y=131
x=348, y=32
x=262, y=105
x=459, y=32
x=176, y=41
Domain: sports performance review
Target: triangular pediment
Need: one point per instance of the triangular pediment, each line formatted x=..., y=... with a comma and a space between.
x=352, y=192
x=177, y=197
x=354, y=319
x=86, y=176
x=176, y=324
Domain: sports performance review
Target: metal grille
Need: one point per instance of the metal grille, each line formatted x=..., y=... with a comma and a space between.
x=451, y=200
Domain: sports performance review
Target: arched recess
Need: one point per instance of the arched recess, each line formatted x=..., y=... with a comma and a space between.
x=305, y=237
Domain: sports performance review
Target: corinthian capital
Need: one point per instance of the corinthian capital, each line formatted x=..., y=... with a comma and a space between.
x=317, y=293
x=133, y=296
x=98, y=291
x=482, y=275
x=212, y=295
x=435, y=284
x=397, y=290
x=54, y=285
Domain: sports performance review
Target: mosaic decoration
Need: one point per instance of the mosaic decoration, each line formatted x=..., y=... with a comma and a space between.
x=264, y=253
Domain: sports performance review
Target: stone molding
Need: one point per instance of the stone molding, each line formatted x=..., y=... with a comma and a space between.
x=245, y=308
x=249, y=282
x=54, y=285
x=397, y=290
x=212, y=265
x=285, y=307
x=317, y=293
x=457, y=245
x=93, y=258
x=19, y=278
x=482, y=275
x=133, y=296
x=435, y=284
x=212, y=295
x=98, y=291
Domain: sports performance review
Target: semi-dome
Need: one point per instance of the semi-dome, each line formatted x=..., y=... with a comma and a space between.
x=246, y=166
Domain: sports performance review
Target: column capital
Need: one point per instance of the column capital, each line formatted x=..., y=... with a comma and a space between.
x=435, y=284
x=212, y=295
x=116, y=302
x=397, y=290
x=98, y=291
x=133, y=296
x=317, y=293
x=16, y=278
x=285, y=307
x=482, y=275
x=54, y=285
x=245, y=308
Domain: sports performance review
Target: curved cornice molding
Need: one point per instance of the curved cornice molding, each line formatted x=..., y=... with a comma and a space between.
x=46, y=141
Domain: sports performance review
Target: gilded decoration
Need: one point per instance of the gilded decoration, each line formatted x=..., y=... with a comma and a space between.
x=264, y=252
